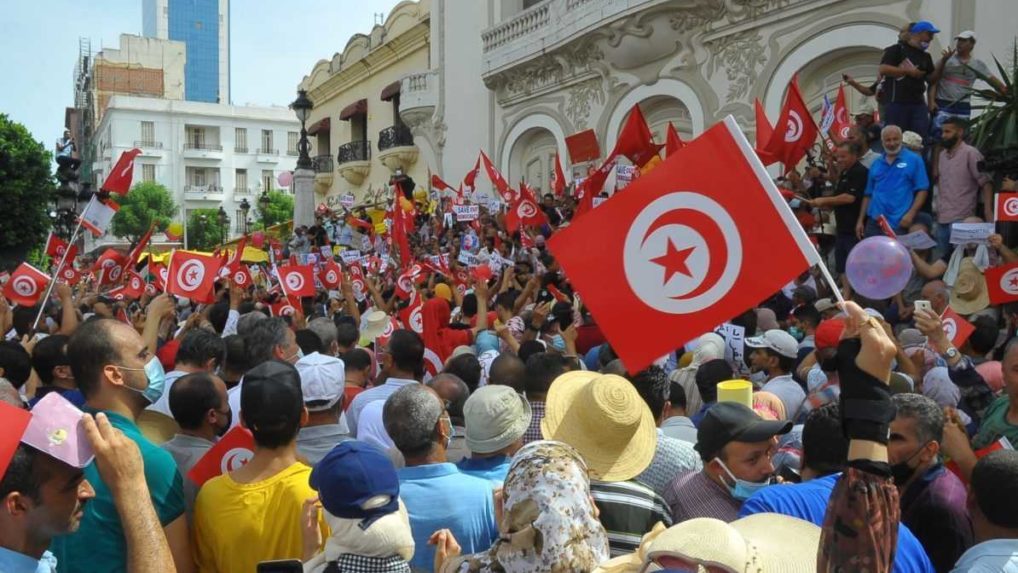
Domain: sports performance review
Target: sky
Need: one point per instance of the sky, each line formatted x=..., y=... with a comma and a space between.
x=274, y=44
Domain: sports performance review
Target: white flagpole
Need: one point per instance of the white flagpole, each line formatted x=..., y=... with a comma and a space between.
x=53, y=280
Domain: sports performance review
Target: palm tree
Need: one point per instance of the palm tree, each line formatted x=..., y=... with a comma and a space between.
x=995, y=131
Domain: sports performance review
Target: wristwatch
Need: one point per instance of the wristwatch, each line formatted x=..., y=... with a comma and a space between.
x=951, y=353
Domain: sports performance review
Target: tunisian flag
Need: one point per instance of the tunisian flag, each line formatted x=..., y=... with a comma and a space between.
x=55, y=246
x=635, y=140
x=119, y=179
x=331, y=275
x=525, y=212
x=192, y=276
x=26, y=285
x=679, y=253
x=231, y=452
x=558, y=182
x=673, y=142
x=1007, y=207
x=956, y=328
x=297, y=280
x=795, y=131
x=842, y=124
x=1002, y=283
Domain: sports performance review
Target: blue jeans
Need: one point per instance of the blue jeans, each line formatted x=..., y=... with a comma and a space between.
x=909, y=117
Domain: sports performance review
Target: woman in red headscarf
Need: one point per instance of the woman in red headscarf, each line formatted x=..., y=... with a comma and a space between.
x=438, y=336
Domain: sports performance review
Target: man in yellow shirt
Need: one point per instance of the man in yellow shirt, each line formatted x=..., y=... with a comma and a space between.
x=253, y=514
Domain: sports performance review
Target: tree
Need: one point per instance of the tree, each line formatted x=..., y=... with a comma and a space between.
x=204, y=232
x=147, y=201
x=280, y=208
x=995, y=130
x=26, y=187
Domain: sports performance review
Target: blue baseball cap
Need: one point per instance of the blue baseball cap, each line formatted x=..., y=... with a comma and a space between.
x=356, y=481
x=923, y=26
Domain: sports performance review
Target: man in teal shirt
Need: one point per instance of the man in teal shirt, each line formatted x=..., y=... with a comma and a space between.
x=896, y=188
x=120, y=376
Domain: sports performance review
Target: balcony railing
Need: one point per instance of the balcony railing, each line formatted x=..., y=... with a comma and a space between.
x=149, y=144
x=395, y=136
x=526, y=23
x=241, y=190
x=323, y=164
x=354, y=151
x=264, y=151
x=203, y=146
x=239, y=149
x=213, y=188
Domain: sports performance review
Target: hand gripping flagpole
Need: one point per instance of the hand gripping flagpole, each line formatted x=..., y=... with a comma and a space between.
x=53, y=281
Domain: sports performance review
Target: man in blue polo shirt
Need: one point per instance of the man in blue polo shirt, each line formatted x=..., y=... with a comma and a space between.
x=824, y=455
x=436, y=494
x=896, y=188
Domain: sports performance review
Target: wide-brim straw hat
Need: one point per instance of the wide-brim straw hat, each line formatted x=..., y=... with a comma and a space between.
x=605, y=419
x=969, y=293
x=763, y=542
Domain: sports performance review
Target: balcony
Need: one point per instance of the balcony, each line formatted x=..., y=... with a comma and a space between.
x=203, y=151
x=150, y=148
x=324, y=169
x=241, y=190
x=396, y=149
x=354, y=161
x=239, y=149
x=418, y=97
x=213, y=192
x=267, y=155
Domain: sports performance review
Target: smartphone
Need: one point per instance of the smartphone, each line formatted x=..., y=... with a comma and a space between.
x=281, y=566
x=924, y=305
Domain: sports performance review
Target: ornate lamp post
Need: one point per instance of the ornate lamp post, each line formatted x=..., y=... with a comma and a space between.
x=263, y=206
x=245, y=207
x=302, y=107
x=223, y=221
x=304, y=175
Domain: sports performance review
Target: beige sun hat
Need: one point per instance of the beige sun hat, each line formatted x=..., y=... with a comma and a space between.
x=763, y=542
x=605, y=419
x=374, y=326
x=969, y=294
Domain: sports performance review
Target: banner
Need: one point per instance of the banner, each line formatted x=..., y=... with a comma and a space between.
x=465, y=213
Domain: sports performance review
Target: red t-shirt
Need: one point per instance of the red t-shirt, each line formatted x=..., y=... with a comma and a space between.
x=348, y=395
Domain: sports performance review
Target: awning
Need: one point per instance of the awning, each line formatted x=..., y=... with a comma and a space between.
x=392, y=90
x=359, y=107
x=322, y=125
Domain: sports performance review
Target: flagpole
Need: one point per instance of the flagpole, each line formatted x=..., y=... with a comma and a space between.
x=53, y=282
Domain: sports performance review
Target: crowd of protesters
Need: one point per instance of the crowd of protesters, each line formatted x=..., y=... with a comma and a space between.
x=498, y=431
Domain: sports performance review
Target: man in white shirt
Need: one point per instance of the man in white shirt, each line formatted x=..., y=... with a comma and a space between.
x=402, y=361
x=993, y=505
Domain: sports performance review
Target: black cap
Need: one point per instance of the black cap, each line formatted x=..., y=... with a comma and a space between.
x=732, y=422
x=270, y=396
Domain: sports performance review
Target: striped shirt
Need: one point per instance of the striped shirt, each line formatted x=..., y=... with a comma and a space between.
x=628, y=511
x=695, y=494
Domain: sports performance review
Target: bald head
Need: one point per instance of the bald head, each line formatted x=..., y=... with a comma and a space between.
x=938, y=294
x=508, y=370
x=451, y=389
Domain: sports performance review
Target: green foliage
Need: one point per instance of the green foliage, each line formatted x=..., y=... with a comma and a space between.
x=280, y=209
x=26, y=186
x=207, y=234
x=147, y=202
x=996, y=128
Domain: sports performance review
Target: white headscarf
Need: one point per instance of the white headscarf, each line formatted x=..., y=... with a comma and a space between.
x=709, y=347
x=387, y=536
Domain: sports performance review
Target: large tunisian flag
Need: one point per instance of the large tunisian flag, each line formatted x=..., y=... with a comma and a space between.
x=683, y=250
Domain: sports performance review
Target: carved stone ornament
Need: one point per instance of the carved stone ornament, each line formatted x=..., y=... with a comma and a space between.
x=580, y=99
x=741, y=55
x=547, y=72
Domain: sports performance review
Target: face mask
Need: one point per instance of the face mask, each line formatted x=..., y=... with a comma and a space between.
x=901, y=471
x=298, y=356
x=796, y=333
x=156, y=380
x=452, y=432
x=924, y=45
x=558, y=343
x=743, y=489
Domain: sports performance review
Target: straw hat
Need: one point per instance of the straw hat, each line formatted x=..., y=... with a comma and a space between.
x=605, y=419
x=375, y=324
x=763, y=542
x=969, y=293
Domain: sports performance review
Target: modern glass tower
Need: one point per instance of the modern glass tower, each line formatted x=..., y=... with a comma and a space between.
x=204, y=26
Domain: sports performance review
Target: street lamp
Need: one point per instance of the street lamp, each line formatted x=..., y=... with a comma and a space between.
x=263, y=206
x=245, y=207
x=223, y=221
x=302, y=107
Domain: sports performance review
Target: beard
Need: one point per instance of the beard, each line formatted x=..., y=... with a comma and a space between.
x=893, y=150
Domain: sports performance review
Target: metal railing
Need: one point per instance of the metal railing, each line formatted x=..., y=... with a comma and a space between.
x=354, y=151
x=241, y=190
x=240, y=149
x=149, y=144
x=203, y=146
x=395, y=136
x=323, y=164
x=263, y=151
x=213, y=188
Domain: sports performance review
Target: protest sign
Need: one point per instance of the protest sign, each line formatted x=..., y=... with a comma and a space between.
x=466, y=212
x=918, y=240
x=964, y=233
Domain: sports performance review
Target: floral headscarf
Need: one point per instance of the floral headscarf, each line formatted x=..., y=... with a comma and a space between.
x=548, y=522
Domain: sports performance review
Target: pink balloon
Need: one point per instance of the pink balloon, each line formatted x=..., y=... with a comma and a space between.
x=258, y=239
x=285, y=178
x=878, y=267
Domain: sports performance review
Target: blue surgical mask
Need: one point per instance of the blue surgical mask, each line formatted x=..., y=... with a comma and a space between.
x=156, y=380
x=742, y=490
x=796, y=333
x=558, y=343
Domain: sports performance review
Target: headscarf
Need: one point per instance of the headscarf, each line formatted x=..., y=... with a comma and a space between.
x=769, y=405
x=709, y=347
x=548, y=522
x=993, y=373
x=937, y=386
x=387, y=536
x=437, y=334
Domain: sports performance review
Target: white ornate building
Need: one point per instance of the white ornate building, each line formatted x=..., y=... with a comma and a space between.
x=516, y=77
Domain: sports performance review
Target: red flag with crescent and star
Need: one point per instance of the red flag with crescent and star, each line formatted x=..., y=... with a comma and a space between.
x=240, y=275
x=192, y=276
x=956, y=328
x=795, y=131
x=331, y=275
x=1007, y=207
x=26, y=285
x=1002, y=283
x=679, y=253
x=525, y=211
x=120, y=177
x=558, y=183
x=231, y=452
x=297, y=280
x=842, y=124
